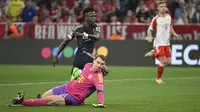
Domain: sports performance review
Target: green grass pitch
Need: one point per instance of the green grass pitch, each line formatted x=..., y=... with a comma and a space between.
x=127, y=89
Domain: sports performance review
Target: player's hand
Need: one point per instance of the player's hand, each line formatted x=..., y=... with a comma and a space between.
x=176, y=36
x=99, y=105
x=85, y=35
x=149, y=39
x=55, y=61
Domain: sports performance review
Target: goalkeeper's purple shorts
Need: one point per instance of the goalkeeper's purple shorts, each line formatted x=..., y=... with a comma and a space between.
x=69, y=99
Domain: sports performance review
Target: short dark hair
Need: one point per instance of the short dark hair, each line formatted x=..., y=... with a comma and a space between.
x=86, y=10
x=100, y=56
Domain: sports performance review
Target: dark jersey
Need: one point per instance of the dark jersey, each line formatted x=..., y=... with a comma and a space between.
x=87, y=45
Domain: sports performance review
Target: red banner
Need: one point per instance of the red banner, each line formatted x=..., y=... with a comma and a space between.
x=188, y=32
x=23, y=29
x=128, y=31
x=51, y=31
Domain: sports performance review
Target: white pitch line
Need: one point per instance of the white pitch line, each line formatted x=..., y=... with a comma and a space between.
x=114, y=80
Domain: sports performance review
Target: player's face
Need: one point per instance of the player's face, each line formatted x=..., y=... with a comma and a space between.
x=98, y=64
x=162, y=8
x=91, y=17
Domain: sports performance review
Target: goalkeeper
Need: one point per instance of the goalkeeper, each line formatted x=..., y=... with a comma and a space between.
x=74, y=92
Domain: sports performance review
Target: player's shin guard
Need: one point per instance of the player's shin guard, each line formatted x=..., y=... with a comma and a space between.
x=75, y=73
x=34, y=102
x=160, y=70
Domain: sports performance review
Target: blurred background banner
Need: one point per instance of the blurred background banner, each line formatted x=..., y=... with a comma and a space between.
x=128, y=31
x=120, y=53
x=23, y=29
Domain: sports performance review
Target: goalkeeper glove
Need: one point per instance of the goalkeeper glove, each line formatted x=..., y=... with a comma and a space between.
x=99, y=105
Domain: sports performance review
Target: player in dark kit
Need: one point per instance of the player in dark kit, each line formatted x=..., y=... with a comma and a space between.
x=86, y=34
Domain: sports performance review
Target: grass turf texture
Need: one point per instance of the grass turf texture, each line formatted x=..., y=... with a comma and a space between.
x=128, y=89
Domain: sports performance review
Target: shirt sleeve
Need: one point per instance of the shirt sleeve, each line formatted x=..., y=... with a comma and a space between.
x=99, y=84
x=153, y=24
x=70, y=35
x=97, y=31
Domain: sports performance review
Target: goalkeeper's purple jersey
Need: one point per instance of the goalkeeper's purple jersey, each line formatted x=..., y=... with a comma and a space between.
x=86, y=84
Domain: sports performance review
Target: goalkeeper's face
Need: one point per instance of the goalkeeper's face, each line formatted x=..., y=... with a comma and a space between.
x=98, y=63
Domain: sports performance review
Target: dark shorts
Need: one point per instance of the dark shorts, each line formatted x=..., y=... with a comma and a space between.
x=82, y=58
x=69, y=99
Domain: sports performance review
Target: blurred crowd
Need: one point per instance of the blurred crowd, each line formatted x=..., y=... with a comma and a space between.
x=109, y=11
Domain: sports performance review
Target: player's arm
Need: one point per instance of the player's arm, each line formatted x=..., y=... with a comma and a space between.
x=96, y=35
x=150, y=29
x=99, y=84
x=173, y=32
x=62, y=46
x=149, y=35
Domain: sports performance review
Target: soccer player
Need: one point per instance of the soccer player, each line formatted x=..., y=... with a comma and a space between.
x=86, y=34
x=75, y=92
x=161, y=24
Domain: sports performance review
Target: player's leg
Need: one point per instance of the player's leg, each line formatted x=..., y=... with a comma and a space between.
x=168, y=54
x=63, y=99
x=164, y=62
x=60, y=97
x=19, y=100
x=41, y=101
x=75, y=72
x=47, y=93
x=77, y=66
x=149, y=53
x=55, y=91
x=79, y=62
x=49, y=100
x=160, y=69
x=55, y=100
x=159, y=52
